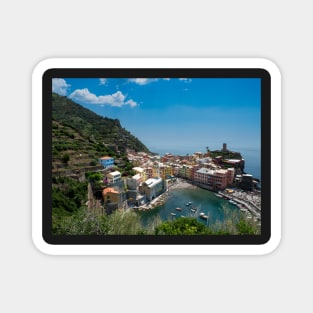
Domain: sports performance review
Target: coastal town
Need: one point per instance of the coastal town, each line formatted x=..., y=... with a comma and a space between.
x=154, y=175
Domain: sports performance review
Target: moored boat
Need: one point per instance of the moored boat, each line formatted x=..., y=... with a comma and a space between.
x=203, y=216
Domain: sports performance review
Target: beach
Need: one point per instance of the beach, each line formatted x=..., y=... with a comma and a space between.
x=181, y=184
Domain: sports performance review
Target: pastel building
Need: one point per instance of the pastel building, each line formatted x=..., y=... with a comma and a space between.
x=152, y=188
x=141, y=171
x=165, y=171
x=186, y=171
x=114, y=177
x=202, y=176
x=107, y=161
x=134, y=182
x=113, y=199
x=156, y=169
x=216, y=179
x=149, y=172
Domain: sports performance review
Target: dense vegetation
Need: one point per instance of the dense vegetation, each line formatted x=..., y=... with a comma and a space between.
x=80, y=137
x=91, y=127
x=129, y=223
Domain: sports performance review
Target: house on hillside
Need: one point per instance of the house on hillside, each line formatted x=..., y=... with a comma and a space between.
x=114, y=177
x=106, y=161
x=113, y=199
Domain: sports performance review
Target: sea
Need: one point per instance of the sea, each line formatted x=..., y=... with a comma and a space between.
x=190, y=199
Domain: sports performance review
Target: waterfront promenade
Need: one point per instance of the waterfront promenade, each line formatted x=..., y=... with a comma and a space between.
x=250, y=200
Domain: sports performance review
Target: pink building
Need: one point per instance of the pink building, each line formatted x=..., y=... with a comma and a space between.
x=217, y=179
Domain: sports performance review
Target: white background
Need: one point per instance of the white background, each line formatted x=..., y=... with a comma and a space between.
x=35, y=30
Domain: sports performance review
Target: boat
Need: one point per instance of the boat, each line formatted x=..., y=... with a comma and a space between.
x=188, y=203
x=232, y=202
x=173, y=214
x=178, y=209
x=193, y=210
x=203, y=216
x=218, y=195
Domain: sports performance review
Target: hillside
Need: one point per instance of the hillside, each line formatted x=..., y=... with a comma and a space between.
x=80, y=137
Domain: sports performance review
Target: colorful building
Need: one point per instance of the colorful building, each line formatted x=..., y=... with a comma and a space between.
x=113, y=199
x=165, y=171
x=114, y=177
x=149, y=172
x=152, y=188
x=107, y=161
x=217, y=179
x=134, y=182
x=141, y=171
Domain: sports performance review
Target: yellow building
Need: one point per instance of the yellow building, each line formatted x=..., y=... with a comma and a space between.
x=141, y=171
x=166, y=171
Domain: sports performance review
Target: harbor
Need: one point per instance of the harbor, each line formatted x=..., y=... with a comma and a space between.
x=186, y=200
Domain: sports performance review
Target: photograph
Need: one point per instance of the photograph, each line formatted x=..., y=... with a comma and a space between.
x=152, y=156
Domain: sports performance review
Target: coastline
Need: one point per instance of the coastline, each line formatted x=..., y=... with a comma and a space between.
x=243, y=199
x=161, y=199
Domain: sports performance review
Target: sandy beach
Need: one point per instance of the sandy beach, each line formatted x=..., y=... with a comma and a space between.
x=181, y=184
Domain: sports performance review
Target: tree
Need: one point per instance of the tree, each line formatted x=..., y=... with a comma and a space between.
x=182, y=226
x=65, y=158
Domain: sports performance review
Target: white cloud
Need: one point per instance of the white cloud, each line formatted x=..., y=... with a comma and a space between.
x=117, y=99
x=102, y=81
x=145, y=81
x=60, y=86
x=186, y=80
x=142, y=81
x=132, y=103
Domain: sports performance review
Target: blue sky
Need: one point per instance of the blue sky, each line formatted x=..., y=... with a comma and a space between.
x=178, y=115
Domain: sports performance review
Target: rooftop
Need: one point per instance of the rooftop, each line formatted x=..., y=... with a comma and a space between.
x=106, y=158
x=107, y=190
x=115, y=173
x=152, y=181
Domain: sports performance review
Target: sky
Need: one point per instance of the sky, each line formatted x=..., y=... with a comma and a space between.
x=177, y=115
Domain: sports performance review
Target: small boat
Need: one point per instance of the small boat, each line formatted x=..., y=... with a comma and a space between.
x=203, y=216
x=178, y=209
x=232, y=202
x=218, y=195
x=188, y=203
x=173, y=214
x=193, y=210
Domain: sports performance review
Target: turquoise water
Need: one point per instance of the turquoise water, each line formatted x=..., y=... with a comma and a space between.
x=205, y=201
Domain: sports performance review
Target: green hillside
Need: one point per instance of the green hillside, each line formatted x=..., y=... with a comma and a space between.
x=80, y=137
